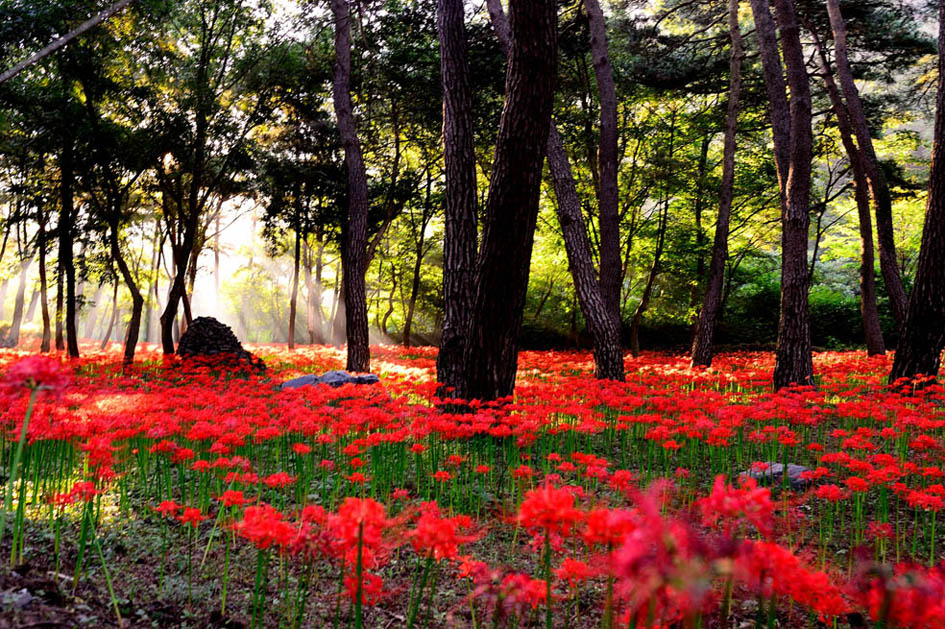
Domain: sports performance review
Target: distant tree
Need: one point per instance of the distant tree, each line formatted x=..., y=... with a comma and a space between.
x=922, y=337
x=702, y=348
x=793, y=145
x=354, y=234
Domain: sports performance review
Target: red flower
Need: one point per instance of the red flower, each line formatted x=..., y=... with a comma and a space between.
x=549, y=509
x=192, y=516
x=36, y=372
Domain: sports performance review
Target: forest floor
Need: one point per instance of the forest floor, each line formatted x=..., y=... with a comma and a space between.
x=193, y=495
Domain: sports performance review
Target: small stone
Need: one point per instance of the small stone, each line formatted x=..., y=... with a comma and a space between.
x=774, y=472
x=334, y=378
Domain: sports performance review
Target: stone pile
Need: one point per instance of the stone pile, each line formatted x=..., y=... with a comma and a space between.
x=206, y=336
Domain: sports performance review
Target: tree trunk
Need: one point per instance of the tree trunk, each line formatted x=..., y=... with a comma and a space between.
x=491, y=348
x=43, y=286
x=390, y=299
x=872, y=331
x=460, y=236
x=13, y=334
x=608, y=215
x=355, y=232
x=702, y=344
x=882, y=204
x=418, y=262
x=919, y=351
x=60, y=341
x=650, y=278
x=137, y=301
x=698, y=210
x=603, y=324
x=92, y=316
x=31, y=309
x=793, y=139
x=293, y=299
x=107, y=335
x=66, y=228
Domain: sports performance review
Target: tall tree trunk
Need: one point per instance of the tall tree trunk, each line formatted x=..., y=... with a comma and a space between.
x=650, y=278
x=355, y=233
x=460, y=237
x=872, y=331
x=13, y=334
x=137, y=301
x=66, y=229
x=43, y=286
x=60, y=340
x=491, y=348
x=92, y=316
x=31, y=309
x=655, y=268
x=107, y=335
x=293, y=299
x=390, y=299
x=923, y=336
x=698, y=210
x=608, y=214
x=702, y=344
x=418, y=262
x=601, y=320
x=882, y=203
x=793, y=140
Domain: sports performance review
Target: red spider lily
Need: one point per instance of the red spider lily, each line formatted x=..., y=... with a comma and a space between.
x=35, y=372
x=831, y=493
x=731, y=505
x=769, y=569
x=439, y=537
x=301, y=448
x=607, y=527
x=574, y=572
x=264, y=527
x=550, y=510
x=233, y=498
x=192, y=516
x=278, y=480
x=168, y=508
x=372, y=588
x=909, y=596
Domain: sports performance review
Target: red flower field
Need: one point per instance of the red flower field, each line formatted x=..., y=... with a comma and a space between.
x=191, y=494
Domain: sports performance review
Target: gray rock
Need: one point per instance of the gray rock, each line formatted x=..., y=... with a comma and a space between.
x=775, y=471
x=335, y=378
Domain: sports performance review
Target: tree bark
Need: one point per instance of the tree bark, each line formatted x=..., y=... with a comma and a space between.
x=491, y=349
x=608, y=214
x=651, y=277
x=460, y=236
x=13, y=334
x=60, y=340
x=793, y=140
x=702, y=344
x=603, y=324
x=923, y=335
x=418, y=262
x=355, y=233
x=43, y=286
x=872, y=331
x=66, y=235
x=293, y=299
x=882, y=203
x=137, y=300
x=107, y=335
